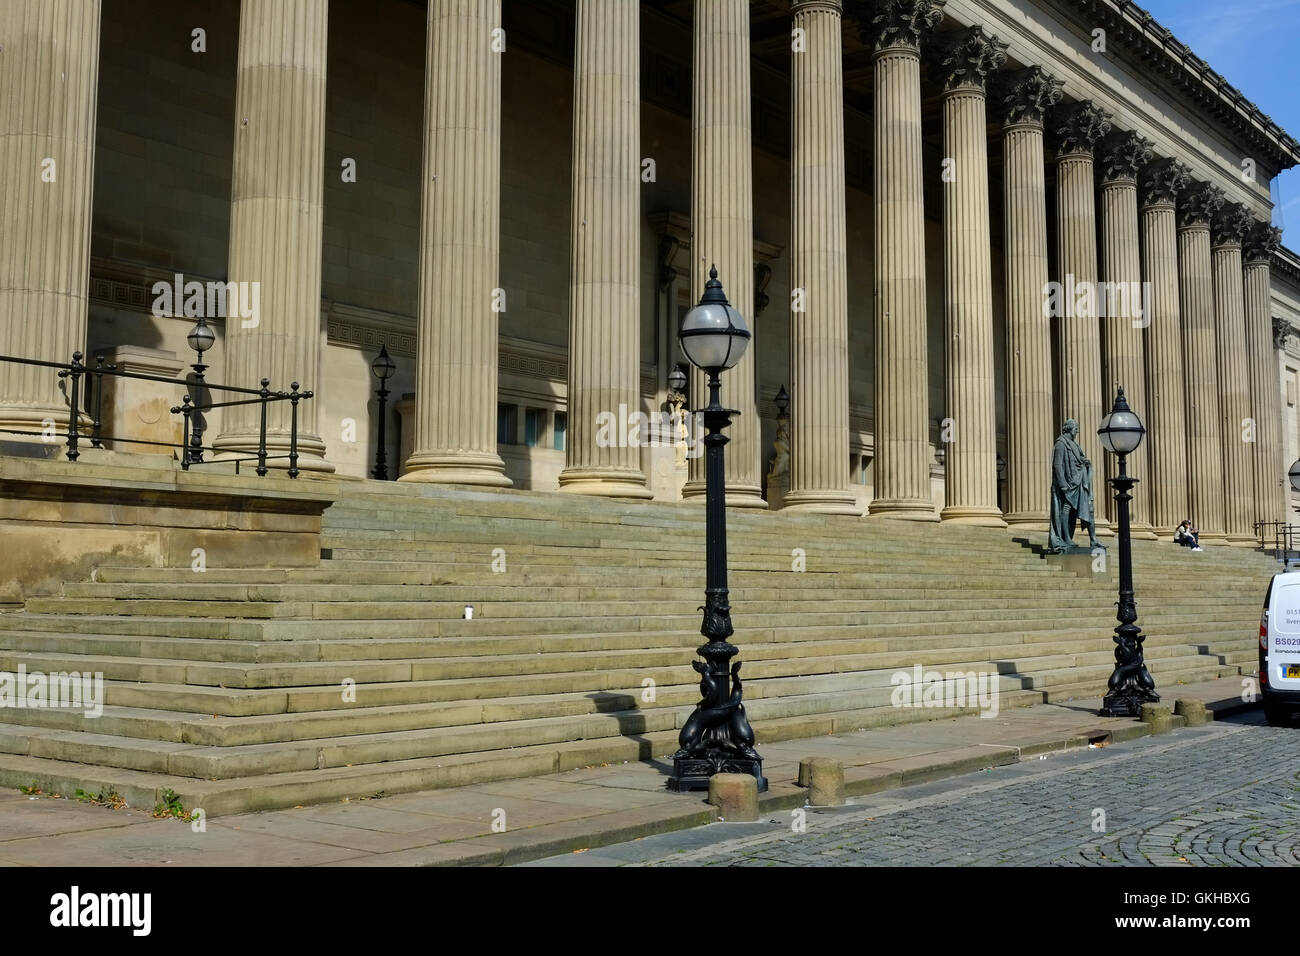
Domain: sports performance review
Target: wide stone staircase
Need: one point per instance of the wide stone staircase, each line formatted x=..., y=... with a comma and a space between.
x=242, y=690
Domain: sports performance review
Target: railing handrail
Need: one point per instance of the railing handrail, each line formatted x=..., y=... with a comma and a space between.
x=191, y=446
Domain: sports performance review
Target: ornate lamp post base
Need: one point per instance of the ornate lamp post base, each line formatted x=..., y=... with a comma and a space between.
x=693, y=773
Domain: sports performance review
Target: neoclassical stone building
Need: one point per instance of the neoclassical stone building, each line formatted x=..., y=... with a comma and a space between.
x=520, y=199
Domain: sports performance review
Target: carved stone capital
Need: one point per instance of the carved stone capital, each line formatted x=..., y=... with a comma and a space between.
x=1231, y=223
x=1027, y=95
x=1282, y=330
x=1199, y=204
x=966, y=58
x=1121, y=156
x=1078, y=128
x=1162, y=180
x=1262, y=240
x=900, y=23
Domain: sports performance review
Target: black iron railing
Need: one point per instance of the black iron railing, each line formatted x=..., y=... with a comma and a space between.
x=1281, y=538
x=191, y=448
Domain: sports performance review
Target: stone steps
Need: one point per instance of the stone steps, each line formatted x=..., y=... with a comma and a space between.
x=228, y=686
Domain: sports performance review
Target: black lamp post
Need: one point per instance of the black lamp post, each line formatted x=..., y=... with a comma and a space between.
x=383, y=368
x=716, y=738
x=677, y=379
x=200, y=339
x=1130, y=683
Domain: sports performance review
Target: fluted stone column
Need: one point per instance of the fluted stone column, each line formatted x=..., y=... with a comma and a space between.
x=1239, y=431
x=1196, y=207
x=604, y=289
x=902, y=424
x=460, y=237
x=722, y=226
x=276, y=219
x=964, y=64
x=49, y=81
x=1121, y=156
x=819, y=332
x=1028, y=96
x=1265, y=402
x=1077, y=131
x=1166, y=416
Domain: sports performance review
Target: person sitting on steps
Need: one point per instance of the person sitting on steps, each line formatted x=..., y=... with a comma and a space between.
x=1187, y=536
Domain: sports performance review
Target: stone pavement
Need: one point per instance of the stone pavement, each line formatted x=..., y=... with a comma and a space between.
x=1224, y=794
x=578, y=810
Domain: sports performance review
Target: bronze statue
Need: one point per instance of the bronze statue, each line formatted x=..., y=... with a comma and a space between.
x=1071, y=493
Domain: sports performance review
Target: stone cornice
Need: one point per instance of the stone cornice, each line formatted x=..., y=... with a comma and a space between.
x=1198, y=204
x=1079, y=127
x=1162, y=180
x=1121, y=156
x=1158, y=52
x=893, y=24
x=964, y=59
x=1231, y=223
x=1027, y=95
x=1261, y=243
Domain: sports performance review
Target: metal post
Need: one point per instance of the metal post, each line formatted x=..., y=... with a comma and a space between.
x=1130, y=684
x=717, y=737
x=185, y=409
x=293, y=431
x=74, y=373
x=97, y=430
x=261, y=434
x=380, y=471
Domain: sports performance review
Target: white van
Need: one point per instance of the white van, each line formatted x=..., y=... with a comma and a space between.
x=1279, y=648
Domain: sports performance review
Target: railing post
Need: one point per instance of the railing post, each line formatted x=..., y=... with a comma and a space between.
x=74, y=372
x=184, y=411
x=96, y=434
x=294, y=395
x=261, y=435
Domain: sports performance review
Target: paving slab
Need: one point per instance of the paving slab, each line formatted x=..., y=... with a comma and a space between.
x=575, y=813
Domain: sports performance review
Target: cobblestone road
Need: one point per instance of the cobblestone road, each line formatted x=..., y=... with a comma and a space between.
x=1226, y=794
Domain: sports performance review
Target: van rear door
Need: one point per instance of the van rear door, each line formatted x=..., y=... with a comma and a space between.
x=1284, y=633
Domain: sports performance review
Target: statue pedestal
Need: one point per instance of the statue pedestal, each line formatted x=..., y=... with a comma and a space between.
x=1084, y=564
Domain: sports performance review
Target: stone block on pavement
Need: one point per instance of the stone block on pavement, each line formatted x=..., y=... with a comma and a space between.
x=735, y=795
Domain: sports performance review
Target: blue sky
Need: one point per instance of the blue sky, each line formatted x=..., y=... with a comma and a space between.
x=1253, y=44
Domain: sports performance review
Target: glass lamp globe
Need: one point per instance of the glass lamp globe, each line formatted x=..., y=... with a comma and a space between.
x=1121, y=431
x=713, y=335
x=201, y=337
x=1294, y=474
x=677, y=379
x=383, y=366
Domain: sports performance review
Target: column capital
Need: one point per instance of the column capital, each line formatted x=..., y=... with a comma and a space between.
x=1161, y=180
x=1231, y=223
x=1078, y=128
x=966, y=58
x=816, y=6
x=1027, y=95
x=1261, y=241
x=1198, y=204
x=1121, y=156
x=901, y=23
